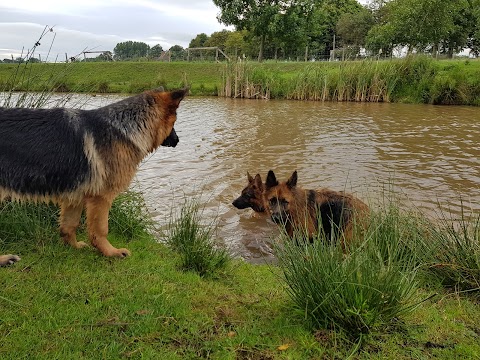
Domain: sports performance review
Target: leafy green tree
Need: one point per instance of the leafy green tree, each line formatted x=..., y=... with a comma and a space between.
x=218, y=39
x=177, y=53
x=199, y=41
x=235, y=44
x=256, y=16
x=129, y=50
x=155, y=51
x=352, y=28
x=432, y=25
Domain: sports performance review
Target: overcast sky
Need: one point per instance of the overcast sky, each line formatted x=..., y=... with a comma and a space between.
x=101, y=24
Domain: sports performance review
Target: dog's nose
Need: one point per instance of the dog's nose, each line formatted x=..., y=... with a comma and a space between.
x=171, y=140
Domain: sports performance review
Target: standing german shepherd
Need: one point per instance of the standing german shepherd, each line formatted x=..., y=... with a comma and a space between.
x=252, y=195
x=82, y=158
x=306, y=210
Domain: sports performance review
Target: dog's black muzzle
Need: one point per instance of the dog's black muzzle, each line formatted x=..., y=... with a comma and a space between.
x=171, y=140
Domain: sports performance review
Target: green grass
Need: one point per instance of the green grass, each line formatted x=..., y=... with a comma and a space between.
x=113, y=77
x=413, y=79
x=58, y=302
x=195, y=241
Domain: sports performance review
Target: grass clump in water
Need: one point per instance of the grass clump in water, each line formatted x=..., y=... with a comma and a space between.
x=194, y=241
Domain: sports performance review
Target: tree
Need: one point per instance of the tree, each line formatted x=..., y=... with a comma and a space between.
x=129, y=50
x=198, y=41
x=352, y=28
x=427, y=25
x=218, y=39
x=235, y=44
x=155, y=51
x=255, y=16
x=177, y=52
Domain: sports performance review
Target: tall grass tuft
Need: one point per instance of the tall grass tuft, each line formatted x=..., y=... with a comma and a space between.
x=455, y=255
x=129, y=216
x=363, y=290
x=194, y=241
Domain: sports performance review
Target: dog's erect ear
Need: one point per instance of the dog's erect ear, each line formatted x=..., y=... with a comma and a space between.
x=249, y=177
x=258, y=181
x=178, y=95
x=271, y=180
x=292, y=182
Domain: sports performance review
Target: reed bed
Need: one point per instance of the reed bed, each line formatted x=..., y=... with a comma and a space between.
x=412, y=79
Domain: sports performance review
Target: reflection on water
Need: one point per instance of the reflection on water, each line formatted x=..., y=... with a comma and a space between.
x=430, y=155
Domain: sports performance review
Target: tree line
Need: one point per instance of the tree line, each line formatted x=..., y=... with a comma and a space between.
x=312, y=29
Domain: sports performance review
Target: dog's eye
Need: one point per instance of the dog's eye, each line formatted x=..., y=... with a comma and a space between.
x=283, y=202
x=273, y=201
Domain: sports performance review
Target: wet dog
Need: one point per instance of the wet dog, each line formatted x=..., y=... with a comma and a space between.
x=252, y=195
x=82, y=159
x=310, y=211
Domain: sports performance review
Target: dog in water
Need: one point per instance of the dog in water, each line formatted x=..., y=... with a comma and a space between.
x=82, y=159
x=306, y=210
x=252, y=195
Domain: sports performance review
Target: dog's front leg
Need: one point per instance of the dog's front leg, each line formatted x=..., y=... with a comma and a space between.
x=69, y=220
x=97, y=224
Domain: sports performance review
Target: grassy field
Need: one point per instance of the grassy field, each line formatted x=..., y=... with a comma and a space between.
x=61, y=303
x=413, y=80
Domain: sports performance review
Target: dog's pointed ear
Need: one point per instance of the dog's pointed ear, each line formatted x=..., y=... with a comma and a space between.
x=178, y=95
x=258, y=181
x=292, y=182
x=249, y=177
x=271, y=180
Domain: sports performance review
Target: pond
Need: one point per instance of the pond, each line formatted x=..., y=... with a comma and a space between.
x=429, y=156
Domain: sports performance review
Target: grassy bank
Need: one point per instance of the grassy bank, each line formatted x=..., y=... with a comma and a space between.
x=413, y=80
x=64, y=303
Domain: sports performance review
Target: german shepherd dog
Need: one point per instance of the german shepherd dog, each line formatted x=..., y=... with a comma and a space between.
x=82, y=158
x=252, y=195
x=306, y=210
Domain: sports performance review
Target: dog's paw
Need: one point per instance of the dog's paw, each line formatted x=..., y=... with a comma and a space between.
x=8, y=259
x=114, y=252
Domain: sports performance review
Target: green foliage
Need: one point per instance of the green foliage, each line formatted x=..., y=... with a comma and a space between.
x=198, y=41
x=129, y=216
x=129, y=50
x=352, y=28
x=424, y=25
x=194, y=241
x=363, y=291
x=155, y=51
x=454, y=254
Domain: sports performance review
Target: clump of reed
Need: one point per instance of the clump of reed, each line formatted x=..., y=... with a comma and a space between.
x=195, y=242
x=243, y=80
x=365, y=288
x=454, y=256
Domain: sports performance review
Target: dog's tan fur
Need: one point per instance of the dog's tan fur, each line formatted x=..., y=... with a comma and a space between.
x=301, y=210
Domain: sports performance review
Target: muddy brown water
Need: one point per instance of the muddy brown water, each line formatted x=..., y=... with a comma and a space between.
x=429, y=156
